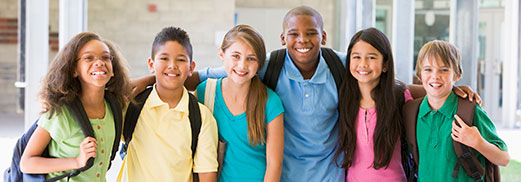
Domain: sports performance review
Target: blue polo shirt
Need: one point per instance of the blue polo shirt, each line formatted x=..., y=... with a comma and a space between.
x=310, y=135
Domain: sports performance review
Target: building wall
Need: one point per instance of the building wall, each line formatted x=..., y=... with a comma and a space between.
x=326, y=8
x=132, y=25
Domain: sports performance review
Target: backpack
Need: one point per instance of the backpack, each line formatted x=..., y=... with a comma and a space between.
x=277, y=58
x=466, y=157
x=134, y=110
x=13, y=173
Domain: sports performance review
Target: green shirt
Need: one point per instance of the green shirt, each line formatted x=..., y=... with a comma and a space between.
x=66, y=137
x=436, y=151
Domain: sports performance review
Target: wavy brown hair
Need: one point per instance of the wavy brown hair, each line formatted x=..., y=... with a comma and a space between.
x=388, y=97
x=257, y=93
x=61, y=87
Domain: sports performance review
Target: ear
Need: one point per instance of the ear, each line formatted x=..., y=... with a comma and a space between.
x=192, y=67
x=282, y=39
x=456, y=78
x=323, y=42
x=150, y=63
x=221, y=54
x=75, y=74
x=384, y=69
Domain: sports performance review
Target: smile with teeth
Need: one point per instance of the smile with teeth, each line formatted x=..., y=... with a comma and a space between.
x=98, y=73
x=172, y=74
x=363, y=72
x=435, y=85
x=303, y=50
x=240, y=73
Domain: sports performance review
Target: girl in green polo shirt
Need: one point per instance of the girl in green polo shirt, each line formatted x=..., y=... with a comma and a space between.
x=86, y=67
x=439, y=67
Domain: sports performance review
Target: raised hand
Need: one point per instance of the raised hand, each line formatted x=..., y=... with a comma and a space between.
x=87, y=150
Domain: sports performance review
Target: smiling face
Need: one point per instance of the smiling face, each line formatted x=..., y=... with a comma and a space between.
x=302, y=37
x=171, y=66
x=94, y=67
x=366, y=64
x=240, y=62
x=437, y=78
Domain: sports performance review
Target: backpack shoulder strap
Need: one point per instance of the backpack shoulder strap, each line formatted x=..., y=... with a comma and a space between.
x=115, y=107
x=209, y=93
x=194, y=114
x=78, y=112
x=410, y=116
x=271, y=77
x=133, y=112
x=466, y=157
x=335, y=65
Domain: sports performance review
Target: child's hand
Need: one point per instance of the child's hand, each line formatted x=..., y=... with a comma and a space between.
x=87, y=150
x=464, y=91
x=464, y=134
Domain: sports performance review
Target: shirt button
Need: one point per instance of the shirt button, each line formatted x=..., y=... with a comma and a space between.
x=102, y=151
x=97, y=175
x=306, y=84
x=101, y=139
x=307, y=95
x=101, y=163
x=99, y=127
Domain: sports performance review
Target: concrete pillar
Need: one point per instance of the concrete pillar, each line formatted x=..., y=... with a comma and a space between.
x=352, y=16
x=464, y=34
x=73, y=19
x=403, y=39
x=36, y=55
x=511, y=61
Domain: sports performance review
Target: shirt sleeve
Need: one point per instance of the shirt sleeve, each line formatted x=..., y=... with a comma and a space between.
x=274, y=106
x=209, y=72
x=205, y=159
x=200, y=91
x=487, y=129
x=57, y=126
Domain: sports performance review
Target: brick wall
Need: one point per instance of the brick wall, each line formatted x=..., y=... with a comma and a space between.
x=132, y=26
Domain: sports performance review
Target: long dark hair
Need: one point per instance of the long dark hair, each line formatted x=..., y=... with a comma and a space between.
x=386, y=96
x=257, y=93
x=61, y=87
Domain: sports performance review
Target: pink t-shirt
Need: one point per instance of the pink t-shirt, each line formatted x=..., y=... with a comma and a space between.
x=362, y=166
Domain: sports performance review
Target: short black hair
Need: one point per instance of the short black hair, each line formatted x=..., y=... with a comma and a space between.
x=172, y=34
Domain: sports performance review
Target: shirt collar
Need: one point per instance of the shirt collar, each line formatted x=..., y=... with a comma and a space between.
x=447, y=109
x=154, y=101
x=319, y=77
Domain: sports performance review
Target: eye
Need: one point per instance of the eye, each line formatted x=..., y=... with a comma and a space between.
x=252, y=59
x=236, y=56
x=88, y=58
x=427, y=69
x=106, y=58
x=444, y=70
x=355, y=57
x=373, y=57
x=163, y=58
x=293, y=34
x=311, y=33
x=181, y=60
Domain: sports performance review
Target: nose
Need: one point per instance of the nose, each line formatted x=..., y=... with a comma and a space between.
x=302, y=38
x=98, y=62
x=363, y=63
x=172, y=64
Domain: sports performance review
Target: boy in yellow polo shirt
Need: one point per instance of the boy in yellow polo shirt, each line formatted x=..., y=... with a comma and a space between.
x=161, y=146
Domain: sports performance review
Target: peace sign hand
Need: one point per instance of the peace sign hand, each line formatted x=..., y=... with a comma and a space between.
x=464, y=134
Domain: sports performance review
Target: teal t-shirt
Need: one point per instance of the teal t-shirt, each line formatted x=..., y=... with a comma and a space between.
x=66, y=136
x=435, y=148
x=242, y=162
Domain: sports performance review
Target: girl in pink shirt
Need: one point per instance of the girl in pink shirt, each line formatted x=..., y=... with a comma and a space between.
x=371, y=145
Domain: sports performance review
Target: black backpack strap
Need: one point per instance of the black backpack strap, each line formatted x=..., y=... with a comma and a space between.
x=194, y=114
x=115, y=107
x=335, y=66
x=271, y=77
x=133, y=112
x=410, y=117
x=466, y=157
x=82, y=119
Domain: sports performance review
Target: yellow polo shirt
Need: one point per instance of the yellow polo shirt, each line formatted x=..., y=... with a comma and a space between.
x=160, y=149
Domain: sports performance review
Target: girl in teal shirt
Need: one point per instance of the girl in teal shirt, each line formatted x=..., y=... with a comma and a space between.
x=248, y=115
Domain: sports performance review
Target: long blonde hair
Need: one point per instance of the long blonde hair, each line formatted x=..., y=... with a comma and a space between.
x=257, y=93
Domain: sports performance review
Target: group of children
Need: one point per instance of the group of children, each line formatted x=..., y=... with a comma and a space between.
x=305, y=129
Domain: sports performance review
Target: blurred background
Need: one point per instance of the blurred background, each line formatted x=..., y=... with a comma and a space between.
x=487, y=32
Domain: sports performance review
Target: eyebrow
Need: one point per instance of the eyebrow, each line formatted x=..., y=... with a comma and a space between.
x=372, y=53
x=91, y=52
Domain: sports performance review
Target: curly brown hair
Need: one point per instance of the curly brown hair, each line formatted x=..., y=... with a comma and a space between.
x=61, y=87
